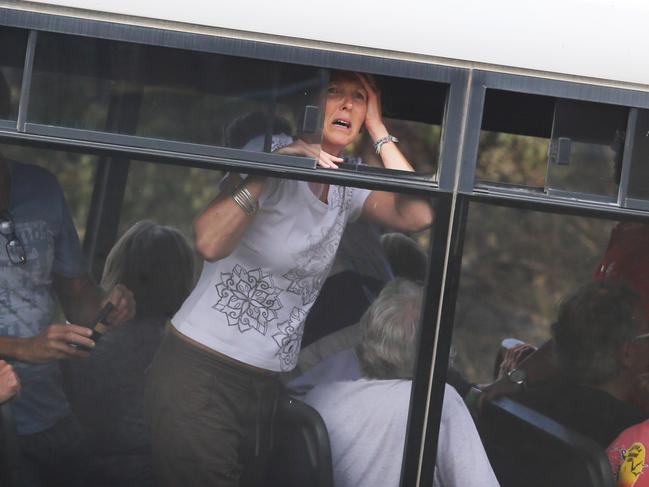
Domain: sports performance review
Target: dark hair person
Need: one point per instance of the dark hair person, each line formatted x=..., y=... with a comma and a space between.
x=268, y=245
x=157, y=264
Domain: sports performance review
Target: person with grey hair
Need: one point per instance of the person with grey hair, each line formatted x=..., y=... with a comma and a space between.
x=601, y=339
x=367, y=418
x=157, y=263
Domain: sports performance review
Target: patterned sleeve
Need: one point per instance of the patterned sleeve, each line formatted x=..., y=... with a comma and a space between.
x=358, y=197
x=69, y=260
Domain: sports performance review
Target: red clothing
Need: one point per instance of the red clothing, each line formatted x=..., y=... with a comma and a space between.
x=628, y=456
x=627, y=259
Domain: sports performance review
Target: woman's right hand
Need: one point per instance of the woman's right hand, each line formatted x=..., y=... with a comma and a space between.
x=301, y=148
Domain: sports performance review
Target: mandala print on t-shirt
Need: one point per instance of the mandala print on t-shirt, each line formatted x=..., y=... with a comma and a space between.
x=289, y=339
x=312, y=266
x=249, y=299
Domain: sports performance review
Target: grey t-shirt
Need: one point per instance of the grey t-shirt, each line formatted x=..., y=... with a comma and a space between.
x=367, y=421
x=27, y=301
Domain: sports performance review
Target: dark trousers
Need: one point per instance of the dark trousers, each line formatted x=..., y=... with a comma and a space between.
x=55, y=457
x=211, y=420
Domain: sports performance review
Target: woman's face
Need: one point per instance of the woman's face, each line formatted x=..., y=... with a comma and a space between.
x=345, y=111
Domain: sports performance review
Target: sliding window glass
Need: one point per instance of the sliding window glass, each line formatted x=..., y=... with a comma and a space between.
x=96, y=85
x=12, y=59
x=558, y=147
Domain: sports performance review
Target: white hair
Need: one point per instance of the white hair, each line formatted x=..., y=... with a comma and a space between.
x=390, y=332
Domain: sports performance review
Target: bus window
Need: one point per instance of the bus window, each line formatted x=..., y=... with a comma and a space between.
x=413, y=111
x=553, y=146
x=146, y=185
x=586, y=149
x=575, y=289
x=172, y=94
x=517, y=265
x=325, y=285
x=12, y=59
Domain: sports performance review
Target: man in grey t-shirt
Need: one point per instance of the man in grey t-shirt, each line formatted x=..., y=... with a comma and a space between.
x=367, y=418
x=41, y=260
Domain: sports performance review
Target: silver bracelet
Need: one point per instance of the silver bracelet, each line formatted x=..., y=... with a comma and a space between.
x=384, y=140
x=244, y=199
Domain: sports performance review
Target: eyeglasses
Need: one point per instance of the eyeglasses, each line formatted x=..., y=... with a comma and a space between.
x=15, y=248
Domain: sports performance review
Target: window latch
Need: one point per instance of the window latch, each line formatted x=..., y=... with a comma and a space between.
x=559, y=151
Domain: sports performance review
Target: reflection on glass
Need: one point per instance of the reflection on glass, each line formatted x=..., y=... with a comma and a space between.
x=286, y=283
x=75, y=173
x=585, y=153
x=547, y=362
x=512, y=159
x=639, y=177
x=171, y=94
x=516, y=267
x=12, y=58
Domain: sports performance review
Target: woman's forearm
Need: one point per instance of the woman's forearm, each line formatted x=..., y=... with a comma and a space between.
x=391, y=156
x=220, y=226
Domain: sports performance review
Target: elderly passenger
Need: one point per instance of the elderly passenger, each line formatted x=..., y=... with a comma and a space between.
x=268, y=246
x=602, y=341
x=367, y=418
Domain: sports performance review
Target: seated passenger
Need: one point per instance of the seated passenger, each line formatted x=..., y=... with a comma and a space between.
x=367, y=418
x=602, y=349
x=157, y=264
x=628, y=456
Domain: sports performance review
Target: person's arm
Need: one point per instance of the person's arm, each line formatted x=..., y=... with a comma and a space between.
x=82, y=299
x=540, y=366
x=397, y=211
x=53, y=343
x=219, y=227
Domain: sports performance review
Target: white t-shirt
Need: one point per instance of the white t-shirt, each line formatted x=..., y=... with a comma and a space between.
x=252, y=304
x=367, y=421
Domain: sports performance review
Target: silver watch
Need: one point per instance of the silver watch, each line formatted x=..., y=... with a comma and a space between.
x=517, y=376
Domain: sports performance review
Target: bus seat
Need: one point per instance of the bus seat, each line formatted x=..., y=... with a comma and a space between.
x=9, y=450
x=302, y=453
x=528, y=448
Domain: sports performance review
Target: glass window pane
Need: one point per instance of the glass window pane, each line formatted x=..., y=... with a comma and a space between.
x=586, y=150
x=172, y=94
x=297, y=285
x=12, y=59
x=74, y=171
x=639, y=177
x=520, y=268
x=516, y=129
x=413, y=111
x=555, y=146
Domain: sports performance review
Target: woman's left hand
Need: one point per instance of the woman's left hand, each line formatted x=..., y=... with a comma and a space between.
x=373, y=116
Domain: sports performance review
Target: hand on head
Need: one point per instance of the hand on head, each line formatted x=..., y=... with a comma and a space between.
x=373, y=116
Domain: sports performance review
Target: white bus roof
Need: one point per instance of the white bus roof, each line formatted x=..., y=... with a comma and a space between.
x=600, y=39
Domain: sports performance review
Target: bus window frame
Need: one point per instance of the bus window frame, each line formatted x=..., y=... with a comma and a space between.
x=485, y=80
x=455, y=78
